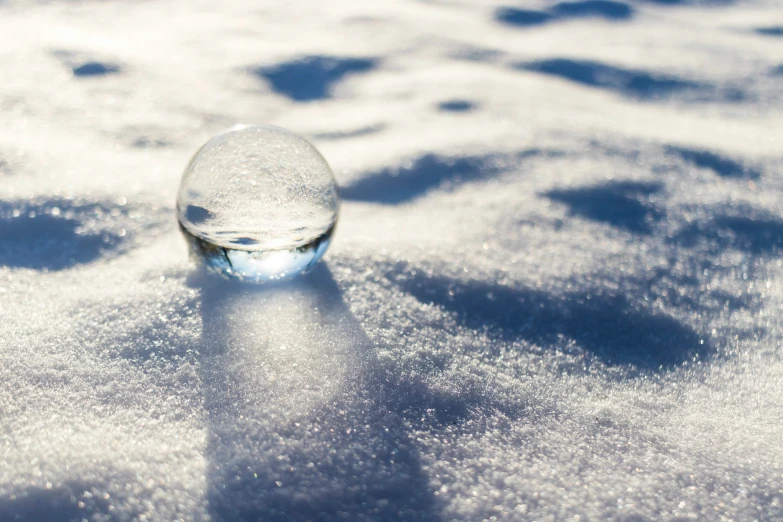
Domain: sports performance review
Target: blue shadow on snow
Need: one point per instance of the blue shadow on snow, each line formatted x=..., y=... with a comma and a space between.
x=621, y=204
x=605, y=325
x=94, y=69
x=58, y=504
x=392, y=186
x=720, y=165
x=522, y=17
x=743, y=228
x=770, y=31
x=395, y=185
x=38, y=239
x=456, y=106
x=311, y=77
x=606, y=9
x=636, y=84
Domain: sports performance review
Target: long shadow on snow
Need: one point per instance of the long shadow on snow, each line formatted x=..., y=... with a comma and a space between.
x=622, y=204
x=632, y=83
x=756, y=233
x=395, y=185
x=741, y=228
x=311, y=77
x=59, y=504
x=607, y=9
x=522, y=17
x=345, y=458
x=770, y=31
x=720, y=165
x=35, y=235
x=627, y=205
x=605, y=324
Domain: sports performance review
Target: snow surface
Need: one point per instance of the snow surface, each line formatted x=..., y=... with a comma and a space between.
x=555, y=291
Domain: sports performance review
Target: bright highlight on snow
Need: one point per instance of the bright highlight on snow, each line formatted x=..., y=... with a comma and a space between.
x=258, y=203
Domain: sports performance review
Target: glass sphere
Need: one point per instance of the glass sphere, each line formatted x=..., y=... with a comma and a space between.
x=258, y=203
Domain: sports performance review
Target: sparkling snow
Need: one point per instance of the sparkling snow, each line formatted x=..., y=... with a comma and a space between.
x=555, y=290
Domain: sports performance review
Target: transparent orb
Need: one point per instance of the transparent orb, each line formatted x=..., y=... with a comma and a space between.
x=257, y=203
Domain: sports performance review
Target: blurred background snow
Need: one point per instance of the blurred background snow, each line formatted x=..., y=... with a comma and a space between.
x=555, y=290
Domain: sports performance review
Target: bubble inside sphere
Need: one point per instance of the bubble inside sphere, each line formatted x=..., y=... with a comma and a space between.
x=258, y=203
